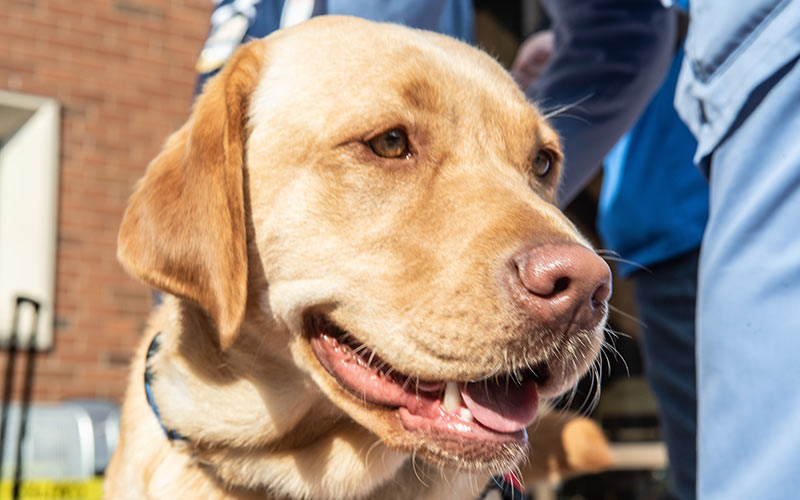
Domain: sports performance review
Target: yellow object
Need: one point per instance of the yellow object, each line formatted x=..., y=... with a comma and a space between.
x=91, y=489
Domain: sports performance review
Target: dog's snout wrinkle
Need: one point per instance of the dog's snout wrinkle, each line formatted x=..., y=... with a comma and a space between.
x=561, y=283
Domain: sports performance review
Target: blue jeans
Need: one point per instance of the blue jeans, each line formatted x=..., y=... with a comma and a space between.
x=666, y=300
x=748, y=317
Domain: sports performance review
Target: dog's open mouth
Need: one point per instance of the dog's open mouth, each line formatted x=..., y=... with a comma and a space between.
x=494, y=410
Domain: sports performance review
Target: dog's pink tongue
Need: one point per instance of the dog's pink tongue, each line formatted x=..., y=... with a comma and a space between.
x=502, y=407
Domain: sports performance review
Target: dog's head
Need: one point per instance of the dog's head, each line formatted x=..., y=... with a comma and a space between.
x=385, y=197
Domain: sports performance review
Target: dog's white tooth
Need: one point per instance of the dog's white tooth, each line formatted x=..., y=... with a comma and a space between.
x=465, y=415
x=452, y=397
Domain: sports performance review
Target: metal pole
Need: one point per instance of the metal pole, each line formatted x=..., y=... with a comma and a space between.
x=8, y=384
x=27, y=390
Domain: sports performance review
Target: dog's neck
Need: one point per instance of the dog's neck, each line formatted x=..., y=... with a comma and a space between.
x=230, y=393
x=252, y=416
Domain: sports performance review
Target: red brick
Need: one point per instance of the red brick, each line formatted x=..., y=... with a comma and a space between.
x=122, y=71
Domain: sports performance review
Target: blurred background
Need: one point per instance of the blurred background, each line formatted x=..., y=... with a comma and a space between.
x=89, y=90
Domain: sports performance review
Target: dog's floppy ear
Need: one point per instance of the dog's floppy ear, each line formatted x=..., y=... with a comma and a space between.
x=184, y=229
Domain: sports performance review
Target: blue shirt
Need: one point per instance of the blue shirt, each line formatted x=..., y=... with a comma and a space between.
x=654, y=201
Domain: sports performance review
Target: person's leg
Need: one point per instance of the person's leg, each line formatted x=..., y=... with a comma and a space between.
x=666, y=300
x=748, y=316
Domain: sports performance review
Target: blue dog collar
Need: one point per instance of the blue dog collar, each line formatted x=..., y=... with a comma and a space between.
x=171, y=434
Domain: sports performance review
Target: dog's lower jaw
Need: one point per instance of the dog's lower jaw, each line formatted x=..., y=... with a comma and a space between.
x=307, y=471
x=375, y=471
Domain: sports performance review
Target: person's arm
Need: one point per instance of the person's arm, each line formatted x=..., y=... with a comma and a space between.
x=450, y=17
x=610, y=57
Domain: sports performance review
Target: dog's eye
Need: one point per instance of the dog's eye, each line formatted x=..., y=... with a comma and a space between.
x=542, y=162
x=390, y=144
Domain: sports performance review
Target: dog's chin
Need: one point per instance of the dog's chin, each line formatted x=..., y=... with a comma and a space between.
x=476, y=425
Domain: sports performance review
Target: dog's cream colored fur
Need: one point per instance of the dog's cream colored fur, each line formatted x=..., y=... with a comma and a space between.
x=268, y=204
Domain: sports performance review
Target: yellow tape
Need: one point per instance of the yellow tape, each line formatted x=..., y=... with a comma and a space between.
x=54, y=490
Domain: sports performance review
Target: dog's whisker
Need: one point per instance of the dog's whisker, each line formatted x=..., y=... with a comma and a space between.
x=443, y=475
x=627, y=315
x=414, y=468
x=607, y=251
x=599, y=384
x=593, y=396
x=517, y=469
x=629, y=262
x=605, y=346
x=609, y=345
x=598, y=373
x=561, y=109
x=361, y=349
x=370, y=450
x=604, y=355
x=616, y=333
x=574, y=370
x=383, y=456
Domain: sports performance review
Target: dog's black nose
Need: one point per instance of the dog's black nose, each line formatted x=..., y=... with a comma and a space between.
x=560, y=284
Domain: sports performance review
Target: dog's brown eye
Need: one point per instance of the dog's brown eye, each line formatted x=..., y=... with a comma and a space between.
x=390, y=144
x=542, y=163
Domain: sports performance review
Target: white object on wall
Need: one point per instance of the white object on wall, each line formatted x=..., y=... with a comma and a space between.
x=29, y=168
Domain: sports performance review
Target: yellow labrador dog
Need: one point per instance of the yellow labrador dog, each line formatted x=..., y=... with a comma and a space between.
x=369, y=286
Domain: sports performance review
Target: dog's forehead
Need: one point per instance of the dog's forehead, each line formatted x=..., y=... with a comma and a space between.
x=364, y=64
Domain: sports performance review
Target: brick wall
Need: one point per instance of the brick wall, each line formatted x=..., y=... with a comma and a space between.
x=123, y=73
